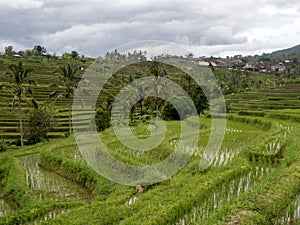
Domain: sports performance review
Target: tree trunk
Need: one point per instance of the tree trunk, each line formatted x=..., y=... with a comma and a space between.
x=69, y=107
x=141, y=107
x=156, y=108
x=156, y=103
x=20, y=119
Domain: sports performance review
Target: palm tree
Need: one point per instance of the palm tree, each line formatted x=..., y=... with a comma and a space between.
x=69, y=80
x=158, y=72
x=19, y=78
x=139, y=95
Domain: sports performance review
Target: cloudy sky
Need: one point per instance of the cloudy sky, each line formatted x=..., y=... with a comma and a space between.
x=91, y=27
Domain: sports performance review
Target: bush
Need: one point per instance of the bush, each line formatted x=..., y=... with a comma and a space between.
x=102, y=119
x=40, y=123
x=3, y=146
x=66, y=134
x=185, y=106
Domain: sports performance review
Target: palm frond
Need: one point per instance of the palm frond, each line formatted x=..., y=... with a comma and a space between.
x=29, y=90
x=3, y=86
x=32, y=82
x=34, y=103
x=53, y=93
x=12, y=103
x=23, y=90
x=58, y=97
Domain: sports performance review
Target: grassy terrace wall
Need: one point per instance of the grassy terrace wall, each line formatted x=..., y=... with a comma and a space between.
x=285, y=97
x=169, y=201
x=76, y=172
x=253, y=132
x=164, y=204
x=253, y=121
x=14, y=191
x=44, y=74
x=12, y=183
x=267, y=202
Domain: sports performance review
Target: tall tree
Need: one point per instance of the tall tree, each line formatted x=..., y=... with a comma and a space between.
x=69, y=80
x=9, y=50
x=19, y=77
x=74, y=55
x=38, y=50
x=158, y=72
x=195, y=92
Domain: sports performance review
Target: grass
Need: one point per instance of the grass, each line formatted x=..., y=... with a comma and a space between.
x=267, y=201
x=79, y=173
x=164, y=203
x=256, y=120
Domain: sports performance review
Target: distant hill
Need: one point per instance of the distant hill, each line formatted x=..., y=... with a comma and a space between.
x=289, y=52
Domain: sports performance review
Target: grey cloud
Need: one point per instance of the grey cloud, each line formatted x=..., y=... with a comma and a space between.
x=221, y=35
x=93, y=26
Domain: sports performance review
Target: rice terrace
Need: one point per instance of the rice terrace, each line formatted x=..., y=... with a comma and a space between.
x=254, y=178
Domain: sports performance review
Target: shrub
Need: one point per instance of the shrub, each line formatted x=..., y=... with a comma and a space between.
x=102, y=119
x=40, y=123
x=3, y=146
x=66, y=134
x=185, y=106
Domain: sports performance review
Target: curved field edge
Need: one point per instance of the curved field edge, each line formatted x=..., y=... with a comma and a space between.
x=14, y=191
x=76, y=172
x=12, y=183
x=164, y=204
x=37, y=211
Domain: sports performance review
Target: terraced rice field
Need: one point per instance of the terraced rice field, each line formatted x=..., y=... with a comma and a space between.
x=249, y=165
x=254, y=178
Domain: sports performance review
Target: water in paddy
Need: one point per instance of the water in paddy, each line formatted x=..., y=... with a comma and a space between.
x=5, y=209
x=292, y=214
x=132, y=200
x=70, y=152
x=49, y=185
x=223, y=194
x=48, y=216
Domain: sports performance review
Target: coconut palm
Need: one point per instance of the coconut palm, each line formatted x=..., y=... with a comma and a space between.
x=69, y=80
x=19, y=78
x=158, y=72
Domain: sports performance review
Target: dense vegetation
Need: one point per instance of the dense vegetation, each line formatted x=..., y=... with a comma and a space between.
x=253, y=179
